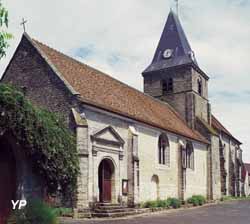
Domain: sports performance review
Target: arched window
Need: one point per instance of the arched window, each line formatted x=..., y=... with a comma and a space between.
x=222, y=149
x=199, y=83
x=190, y=155
x=163, y=150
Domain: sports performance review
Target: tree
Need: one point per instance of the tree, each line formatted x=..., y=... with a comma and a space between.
x=4, y=35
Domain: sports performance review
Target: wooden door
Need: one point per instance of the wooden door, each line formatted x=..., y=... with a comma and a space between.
x=105, y=182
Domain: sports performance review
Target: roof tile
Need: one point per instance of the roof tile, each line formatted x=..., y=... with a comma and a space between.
x=103, y=91
x=217, y=125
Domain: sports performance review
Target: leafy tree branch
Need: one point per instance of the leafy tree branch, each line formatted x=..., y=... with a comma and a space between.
x=4, y=35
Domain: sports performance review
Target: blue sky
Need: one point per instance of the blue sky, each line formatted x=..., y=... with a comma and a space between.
x=119, y=37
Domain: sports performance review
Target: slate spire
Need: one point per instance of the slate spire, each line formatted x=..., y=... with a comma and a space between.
x=173, y=48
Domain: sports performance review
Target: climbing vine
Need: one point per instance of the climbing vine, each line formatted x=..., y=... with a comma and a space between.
x=44, y=137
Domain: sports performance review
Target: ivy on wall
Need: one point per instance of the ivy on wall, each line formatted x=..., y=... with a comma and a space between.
x=44, y=137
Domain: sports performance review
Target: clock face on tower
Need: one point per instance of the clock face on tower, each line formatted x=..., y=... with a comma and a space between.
x=167, y=53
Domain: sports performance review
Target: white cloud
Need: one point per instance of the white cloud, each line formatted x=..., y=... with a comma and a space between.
x=129, y=30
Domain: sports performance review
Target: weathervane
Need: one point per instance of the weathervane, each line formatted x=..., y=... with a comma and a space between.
x=23, y=24
x=177, y=7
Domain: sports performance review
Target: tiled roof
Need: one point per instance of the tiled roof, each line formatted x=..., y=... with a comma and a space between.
x=218, y=126
x=173, y=38
x=103, y=91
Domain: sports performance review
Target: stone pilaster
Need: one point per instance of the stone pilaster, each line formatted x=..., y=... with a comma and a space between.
x=133, y=168
x=215, y=168
x=82, y=200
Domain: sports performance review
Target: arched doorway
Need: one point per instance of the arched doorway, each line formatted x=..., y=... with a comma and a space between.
x=106, y=176
x=154, y=187
x=7, y=179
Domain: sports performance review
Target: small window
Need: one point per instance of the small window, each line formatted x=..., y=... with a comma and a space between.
x=164, y=86
x=222, y=149
x=170, y=85
x=163, y=150
x=199, y=83
x=167, y=85
x=190, y=155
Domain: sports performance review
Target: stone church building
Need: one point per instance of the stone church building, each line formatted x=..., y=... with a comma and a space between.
x=134, y=146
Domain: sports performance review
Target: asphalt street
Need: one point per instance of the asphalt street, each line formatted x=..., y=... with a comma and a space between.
x=237, y=212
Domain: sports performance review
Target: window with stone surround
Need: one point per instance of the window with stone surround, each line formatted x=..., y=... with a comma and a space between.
x=190, y=155
x=163, y=150
x=199, y=83
x=167, y=85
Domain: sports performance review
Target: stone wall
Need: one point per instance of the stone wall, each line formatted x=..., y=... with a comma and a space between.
x=232, y=168
x=195, y=76
x=196, y=180
x=98, y=121
x=181, y=81
x=149, y=168
x=29, y=72
x=184, y=98
x=215, y=167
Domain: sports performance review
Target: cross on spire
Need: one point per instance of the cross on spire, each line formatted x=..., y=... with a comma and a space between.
x=23, y=24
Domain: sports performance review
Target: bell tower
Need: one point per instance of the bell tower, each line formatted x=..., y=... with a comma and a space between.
x=175, y=77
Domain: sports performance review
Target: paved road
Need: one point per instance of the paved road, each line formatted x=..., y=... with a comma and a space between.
x=227, y=213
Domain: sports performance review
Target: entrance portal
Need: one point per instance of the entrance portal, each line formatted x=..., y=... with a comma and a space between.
x=7, y=179
x=106, y=180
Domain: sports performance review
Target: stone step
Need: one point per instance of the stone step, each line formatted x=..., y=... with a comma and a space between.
x=83, y=215
x=113, y=210
x=107, y=204
x=113, y=215
x=111, y=207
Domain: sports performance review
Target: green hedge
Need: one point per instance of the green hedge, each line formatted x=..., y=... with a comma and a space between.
x=174, y=202
x=156, y=204
x=197, y=200
x=170, y=202
x=44, y=138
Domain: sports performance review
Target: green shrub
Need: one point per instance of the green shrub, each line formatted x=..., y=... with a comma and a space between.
x=174, y=202
x=197, y=200
x=63, y=211
x=46, y=138
x=170, y=202
x=150, y=204
x=163, y=204
x=36, y=212
x=156, y=204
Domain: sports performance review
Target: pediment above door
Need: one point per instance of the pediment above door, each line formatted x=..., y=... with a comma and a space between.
x=108, y=136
